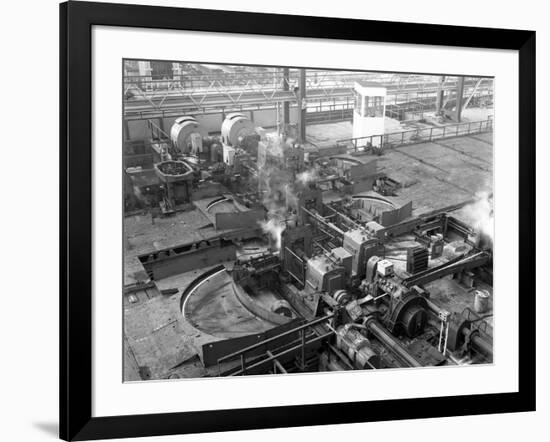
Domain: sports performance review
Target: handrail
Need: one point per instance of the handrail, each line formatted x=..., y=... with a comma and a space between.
x=274, y=338
x=288, y=351
x=157, y=133
x=434, y=133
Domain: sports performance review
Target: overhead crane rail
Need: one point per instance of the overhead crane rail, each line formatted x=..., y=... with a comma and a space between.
x=145, y=98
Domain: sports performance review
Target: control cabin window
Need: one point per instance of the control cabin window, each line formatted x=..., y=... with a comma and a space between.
x=373, y=107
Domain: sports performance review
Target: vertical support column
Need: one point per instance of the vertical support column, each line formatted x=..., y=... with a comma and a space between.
x=170, y=195
x=161, y=127
x=302, y=106
x=145, y=70
x=440, y=97
x=177, y=73
x=303, y=356
x=126, y=131
x=278, y=120
x=446, y=338
x=459, y=99
x=286, y=104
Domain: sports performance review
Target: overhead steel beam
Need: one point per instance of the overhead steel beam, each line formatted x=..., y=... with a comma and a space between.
x=459, y=99
x=144, y=104
x=286, y=104
x=440, y=95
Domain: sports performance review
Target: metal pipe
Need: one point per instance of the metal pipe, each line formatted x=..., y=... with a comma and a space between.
x=348, y=219
x=341, y=356
x=481, y=345
x=311, y=284
x=276, y=363
x=327, y=233
x=433, y=307
x=319, y=218
x=294, y=254
x=389, y=341
x=295, y=277
x=477, y=260
x=334, y=364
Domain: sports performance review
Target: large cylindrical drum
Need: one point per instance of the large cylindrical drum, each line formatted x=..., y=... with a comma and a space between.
x=414, y=320
x=235, y=127
x=182, y=132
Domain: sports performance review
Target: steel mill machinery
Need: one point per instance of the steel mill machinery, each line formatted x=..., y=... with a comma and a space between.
x=238, y=133
x=340, y=295
x=239, y=141
x=177, y=178
x=302, y=260
x=187, y=135
x=293, y=283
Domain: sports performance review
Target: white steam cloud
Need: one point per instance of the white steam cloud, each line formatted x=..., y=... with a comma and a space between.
x=274, y=227
x=278, y=186
x=307, y=176
x=480, y=214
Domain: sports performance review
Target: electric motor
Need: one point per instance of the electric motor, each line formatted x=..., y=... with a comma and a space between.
x=182, y=132
x=235, y=128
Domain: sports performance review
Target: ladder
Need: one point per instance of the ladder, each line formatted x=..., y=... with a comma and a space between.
x=443, y=331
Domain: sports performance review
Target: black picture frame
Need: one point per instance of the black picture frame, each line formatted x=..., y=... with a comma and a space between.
x=76, y=21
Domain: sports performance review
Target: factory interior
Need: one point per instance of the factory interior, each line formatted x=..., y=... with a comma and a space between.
x=282, y=220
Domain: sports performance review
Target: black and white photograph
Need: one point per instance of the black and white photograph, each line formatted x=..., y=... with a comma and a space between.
x=275, y=221
x=287, y=220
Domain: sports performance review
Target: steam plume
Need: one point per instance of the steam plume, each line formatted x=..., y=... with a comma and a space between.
x=274, y=227
x=480, y=215
x=278, y=185
x=307, y=176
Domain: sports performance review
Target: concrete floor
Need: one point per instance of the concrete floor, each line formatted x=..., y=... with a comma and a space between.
x=145, y=234
x=157, y=338
x=161, y=341
x=444, y=173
